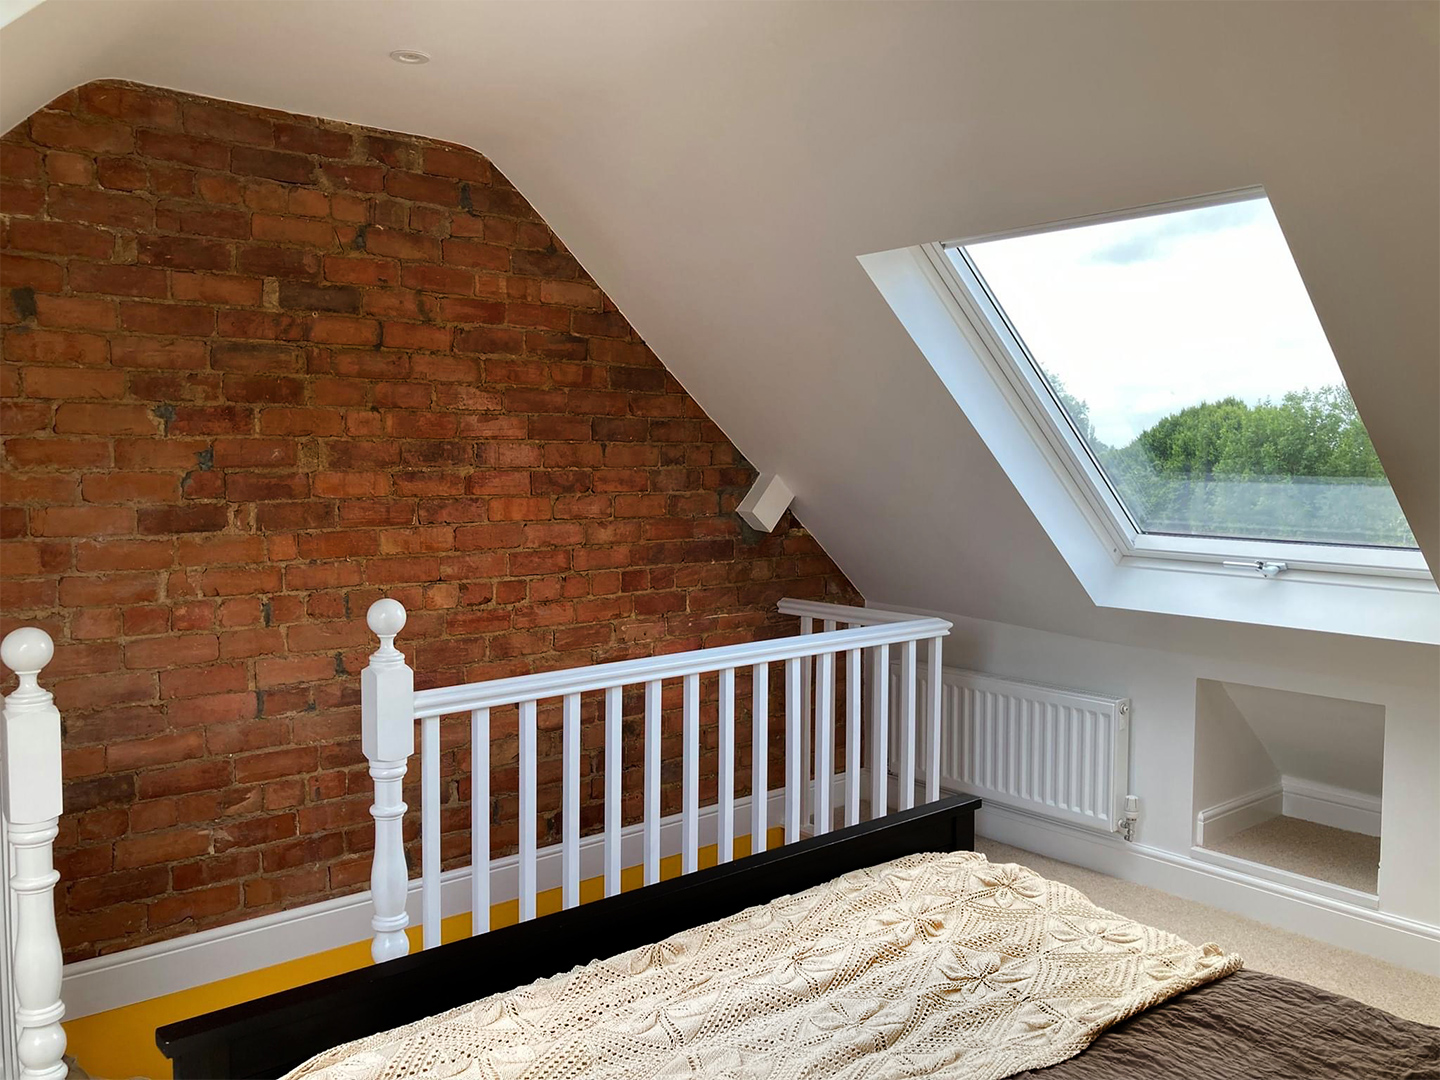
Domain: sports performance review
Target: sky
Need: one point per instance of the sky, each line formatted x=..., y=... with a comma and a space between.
x=1143, y=317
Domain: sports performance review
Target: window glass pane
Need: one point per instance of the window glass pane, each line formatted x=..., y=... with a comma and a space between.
x=1187, y=354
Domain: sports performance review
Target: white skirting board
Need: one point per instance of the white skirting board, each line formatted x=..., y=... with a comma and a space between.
x=1388, y=937
x=167, y=967
x=1216, y=823
x=1354, y=811
x=1340, y=808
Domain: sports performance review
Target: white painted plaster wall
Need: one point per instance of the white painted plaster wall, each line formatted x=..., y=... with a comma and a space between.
x=1230, y=759
x=1325, y=740
x=1157, y=664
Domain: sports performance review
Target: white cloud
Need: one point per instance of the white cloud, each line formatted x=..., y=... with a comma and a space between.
x=1142, y=317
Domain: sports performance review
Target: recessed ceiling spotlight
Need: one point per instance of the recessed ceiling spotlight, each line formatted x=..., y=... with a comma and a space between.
x=410, y=56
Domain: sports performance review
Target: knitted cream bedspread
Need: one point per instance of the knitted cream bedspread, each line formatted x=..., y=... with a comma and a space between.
x=932, y=965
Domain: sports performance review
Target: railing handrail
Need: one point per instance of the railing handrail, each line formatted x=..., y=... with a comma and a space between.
x=855, y=616
x=549, y=684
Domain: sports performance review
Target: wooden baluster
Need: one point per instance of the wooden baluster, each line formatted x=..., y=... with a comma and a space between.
x=793, y=760
x=853, y=698
x=807, y=719
x=527, y=810
x=570, y=797
x=690, y=778
x=935, y=692
x=480, y=821
x=879, y=731
x=614, y=793
x=725, y=834
x=30, y=728
x=759, y=755
x=907, y=725
x=652, y=781
x=387, y=719
x=430, y=832
x=825, y=741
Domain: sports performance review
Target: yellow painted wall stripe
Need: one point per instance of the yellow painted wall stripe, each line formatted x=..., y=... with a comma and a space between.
x=120, y=1043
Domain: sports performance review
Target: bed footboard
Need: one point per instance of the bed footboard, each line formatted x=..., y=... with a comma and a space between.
x=267, y=1037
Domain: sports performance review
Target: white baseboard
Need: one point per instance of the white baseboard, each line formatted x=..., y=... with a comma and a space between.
x=1340, y=808
x=1393, y=938
x=167, y=967
x=1286, y=877
x=1216, y=823
x=1293, y=797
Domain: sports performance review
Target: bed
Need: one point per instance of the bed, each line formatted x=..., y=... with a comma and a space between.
x=1145, y=1003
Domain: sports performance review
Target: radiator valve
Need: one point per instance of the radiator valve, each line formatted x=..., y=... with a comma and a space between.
x=1131, y=815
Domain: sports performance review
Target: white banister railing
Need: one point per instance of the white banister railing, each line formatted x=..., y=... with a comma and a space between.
x=812, y=674
x=387, y=687
x=33, y=796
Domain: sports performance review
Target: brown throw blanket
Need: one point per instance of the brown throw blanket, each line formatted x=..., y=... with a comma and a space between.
x=1254, y=1026
x=932, y=965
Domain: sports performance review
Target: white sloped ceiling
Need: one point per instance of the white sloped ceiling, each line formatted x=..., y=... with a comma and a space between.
x=718, y=168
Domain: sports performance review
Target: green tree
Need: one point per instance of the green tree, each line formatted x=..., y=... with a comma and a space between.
x=1302, y=467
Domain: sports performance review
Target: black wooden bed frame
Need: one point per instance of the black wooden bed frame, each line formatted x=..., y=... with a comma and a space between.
x=271, y=1035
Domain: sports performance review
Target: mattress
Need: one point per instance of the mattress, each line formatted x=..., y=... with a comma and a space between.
x=936, y=965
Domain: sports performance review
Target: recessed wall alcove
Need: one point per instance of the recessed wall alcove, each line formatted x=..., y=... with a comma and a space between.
x=1288, y=785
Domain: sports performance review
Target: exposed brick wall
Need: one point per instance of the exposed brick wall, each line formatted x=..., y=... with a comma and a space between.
x=262, y=369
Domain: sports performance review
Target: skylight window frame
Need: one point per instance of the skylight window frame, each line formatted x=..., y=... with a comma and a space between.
x=1021, y=377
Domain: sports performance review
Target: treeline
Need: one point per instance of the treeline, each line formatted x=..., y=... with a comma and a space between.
x=1299, y=468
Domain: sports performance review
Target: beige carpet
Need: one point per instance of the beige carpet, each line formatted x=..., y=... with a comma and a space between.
x=1395, y=989
x=1303, y=847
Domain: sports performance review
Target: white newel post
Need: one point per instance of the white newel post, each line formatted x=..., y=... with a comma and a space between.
x=31, y=753
x=387, y=717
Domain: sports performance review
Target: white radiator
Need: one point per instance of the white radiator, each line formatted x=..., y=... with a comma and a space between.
x=1059, y=753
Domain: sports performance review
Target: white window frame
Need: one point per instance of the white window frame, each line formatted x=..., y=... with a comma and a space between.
x=1012, y=362
x=1374, y=593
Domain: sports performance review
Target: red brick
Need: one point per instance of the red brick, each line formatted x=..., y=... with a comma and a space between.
x=144, y=352
x=402, y=245
x=180, y=320
x=161, y=521
x=82, y=521
x=272, y=164
x=310, y=139
x=289, y=230
x=458, y=163
x=75, y=312
x=19, y=272
x=60, y=129
x=123, y=174
x=184, y=253
x=227, y=125
x=202, y=903
x=136, y=106
x=73, y=383
x=100, y=208
x=58, y=238
x=118, y=280
x=54, y=347
x=153, y=848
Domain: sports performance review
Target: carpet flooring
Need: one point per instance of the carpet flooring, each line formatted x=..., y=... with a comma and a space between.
x=1303, y=847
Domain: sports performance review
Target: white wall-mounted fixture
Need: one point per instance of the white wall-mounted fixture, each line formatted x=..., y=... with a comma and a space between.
x=410, y=56
x=766, y=503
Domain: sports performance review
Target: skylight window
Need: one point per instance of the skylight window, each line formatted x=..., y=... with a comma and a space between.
x=1183, y=352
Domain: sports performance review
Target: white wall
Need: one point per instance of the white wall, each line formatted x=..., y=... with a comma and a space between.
x=1159, y=676
x=1324, y=740
x=1230, y=760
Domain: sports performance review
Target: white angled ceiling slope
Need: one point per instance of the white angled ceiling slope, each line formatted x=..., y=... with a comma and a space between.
x=718, y=167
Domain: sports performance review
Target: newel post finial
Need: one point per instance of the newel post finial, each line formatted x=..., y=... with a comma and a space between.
x=30, y=730
x=387, y=718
